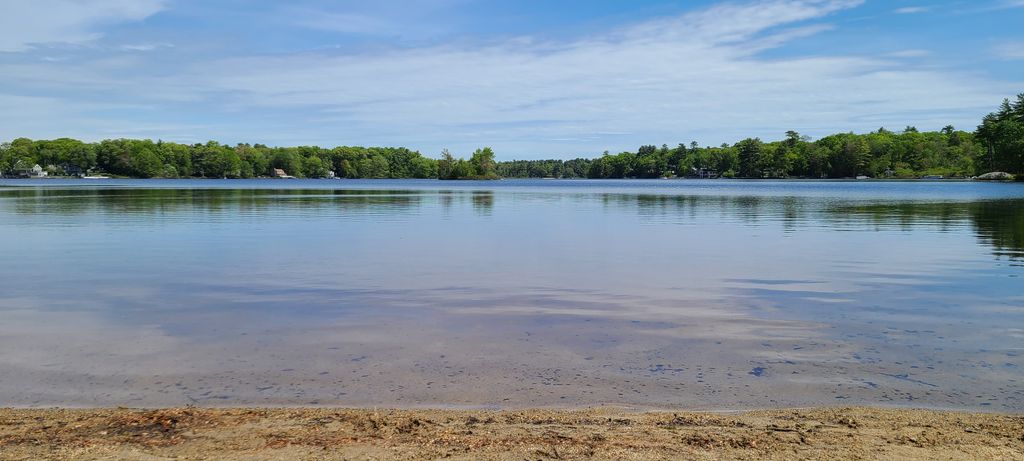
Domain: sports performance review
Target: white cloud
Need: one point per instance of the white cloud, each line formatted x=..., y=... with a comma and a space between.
x=27, y=23
x=145, y=46
x=913, y=53
x=380, y=18
x=1010, y=50
x=911, y=10
x=697, y=75
x=703, y=75
x=343, y=22
x=983, y=7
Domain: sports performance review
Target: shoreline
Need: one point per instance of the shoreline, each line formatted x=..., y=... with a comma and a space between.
x=563, y=408
x=190, y=178
x=415, y=434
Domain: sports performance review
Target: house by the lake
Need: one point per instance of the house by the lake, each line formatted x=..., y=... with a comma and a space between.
x=71, y=169
x=704, y=173
x=22, y=170
x=279, y=173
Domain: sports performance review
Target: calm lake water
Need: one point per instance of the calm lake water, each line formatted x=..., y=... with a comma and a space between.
x=668, y=294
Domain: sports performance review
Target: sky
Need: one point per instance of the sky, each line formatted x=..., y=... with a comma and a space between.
x=529, y=78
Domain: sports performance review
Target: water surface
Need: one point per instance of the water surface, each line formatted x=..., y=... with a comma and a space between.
x=667, y=294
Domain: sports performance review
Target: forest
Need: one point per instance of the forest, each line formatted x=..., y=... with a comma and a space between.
x=997, y=144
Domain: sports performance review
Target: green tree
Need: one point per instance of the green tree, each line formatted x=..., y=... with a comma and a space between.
x=65, y=152
x=212, y=160
x=446, y=165
x=315, y=167
x=375, y=167
x=20, y=152
x=423, y=168
x=750, y=151
x=482, y=163
x=287, y=159
x=1002, y=136
x=144, y=162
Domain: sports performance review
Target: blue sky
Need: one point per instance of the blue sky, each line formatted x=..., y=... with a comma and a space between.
x=531, y=78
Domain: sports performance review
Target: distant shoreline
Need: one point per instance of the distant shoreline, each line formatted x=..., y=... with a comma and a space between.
x=100, y=180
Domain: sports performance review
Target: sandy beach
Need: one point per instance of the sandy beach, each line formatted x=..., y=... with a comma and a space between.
x=336, y=434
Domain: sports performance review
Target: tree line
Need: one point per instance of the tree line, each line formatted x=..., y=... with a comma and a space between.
x=996, y=145
x=883, y=153
x=143, y=158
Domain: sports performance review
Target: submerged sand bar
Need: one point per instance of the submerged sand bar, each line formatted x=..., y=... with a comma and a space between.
x=336, y=434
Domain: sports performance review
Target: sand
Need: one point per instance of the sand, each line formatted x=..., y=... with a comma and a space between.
x=337, y=434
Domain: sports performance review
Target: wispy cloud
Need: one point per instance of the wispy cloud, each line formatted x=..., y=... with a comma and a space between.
x=350, y=23
x=144, y=46
x=997, y=5
x=1010, y=50
x=915, y=53
x=712, y=75
x=693, y=75
x=911, y=10
x=372, y=19
x=24, y=24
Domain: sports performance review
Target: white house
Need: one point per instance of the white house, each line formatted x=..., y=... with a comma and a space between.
x=37, y=172
x=21, y=170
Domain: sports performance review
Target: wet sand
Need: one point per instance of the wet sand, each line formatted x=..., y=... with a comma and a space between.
x=329, y=434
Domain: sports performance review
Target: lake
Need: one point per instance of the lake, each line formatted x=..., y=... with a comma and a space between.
x=717, y=294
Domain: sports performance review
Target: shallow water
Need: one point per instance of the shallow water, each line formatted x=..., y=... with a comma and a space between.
x=667, y=294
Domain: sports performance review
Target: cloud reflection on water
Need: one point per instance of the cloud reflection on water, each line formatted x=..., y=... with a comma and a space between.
x=470, y=296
